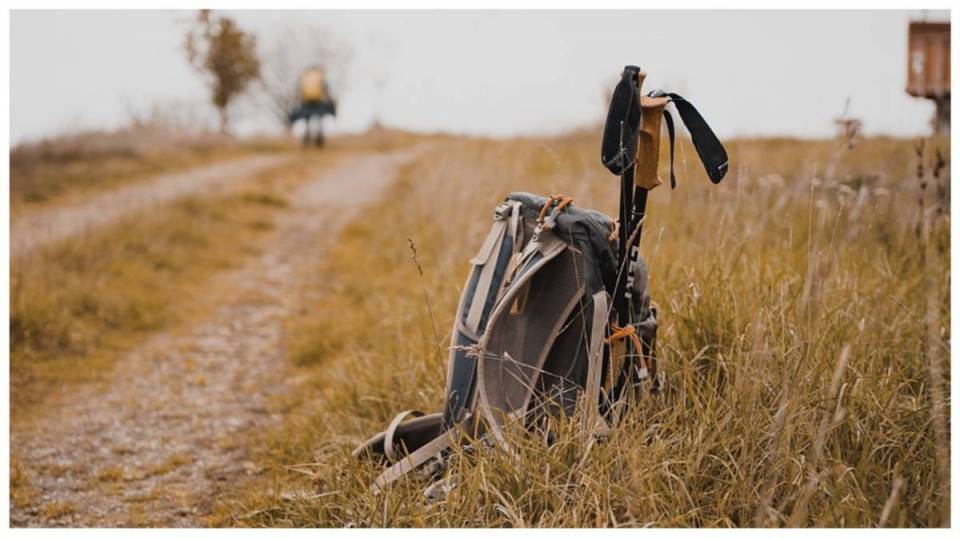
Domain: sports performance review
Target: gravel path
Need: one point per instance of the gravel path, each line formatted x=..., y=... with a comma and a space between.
x=48, y=225
x=154, y=444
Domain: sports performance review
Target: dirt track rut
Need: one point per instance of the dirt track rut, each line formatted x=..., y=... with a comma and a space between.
x=153, y=445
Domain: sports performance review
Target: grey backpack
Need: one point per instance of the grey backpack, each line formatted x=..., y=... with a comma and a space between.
x=536, y=333
x=532, y=335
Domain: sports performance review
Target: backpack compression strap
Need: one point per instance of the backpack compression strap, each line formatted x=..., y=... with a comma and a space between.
x=708, y=146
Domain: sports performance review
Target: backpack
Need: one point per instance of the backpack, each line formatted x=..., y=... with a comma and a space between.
x=312, y=86
x=556, y=309
x=531, y=336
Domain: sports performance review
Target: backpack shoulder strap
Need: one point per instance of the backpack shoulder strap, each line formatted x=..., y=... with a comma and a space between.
x=510, y=361
x=416, y=459
x=598, y=328
x=389, y=435
x=486, y=280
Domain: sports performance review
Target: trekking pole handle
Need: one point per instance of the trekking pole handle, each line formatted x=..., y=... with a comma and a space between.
x=648, y=142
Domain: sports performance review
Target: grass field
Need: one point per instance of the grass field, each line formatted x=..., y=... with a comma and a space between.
x=804, y=331
x=804, y=338
x=63, y=168
x=76, y=305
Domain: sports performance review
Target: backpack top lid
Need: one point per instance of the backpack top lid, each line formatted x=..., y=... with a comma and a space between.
x=583, y=229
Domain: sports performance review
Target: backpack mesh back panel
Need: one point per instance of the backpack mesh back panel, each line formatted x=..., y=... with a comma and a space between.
x=523, y=330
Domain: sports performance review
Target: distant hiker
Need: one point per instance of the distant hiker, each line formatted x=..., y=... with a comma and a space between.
x=315, y=101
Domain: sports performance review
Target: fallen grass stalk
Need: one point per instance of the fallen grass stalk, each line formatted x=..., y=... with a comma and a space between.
x=423, y=287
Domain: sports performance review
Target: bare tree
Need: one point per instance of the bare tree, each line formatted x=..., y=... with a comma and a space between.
x=217, y=47
x=297, y=48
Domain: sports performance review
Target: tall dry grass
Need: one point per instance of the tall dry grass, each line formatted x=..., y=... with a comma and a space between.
x=801, y=304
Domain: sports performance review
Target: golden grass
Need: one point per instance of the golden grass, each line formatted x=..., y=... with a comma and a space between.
x=50, y=171
x=793, y=339
x=77, y=304
x=38, y=179
x=22, y=493
x=57, y=510
x=111, y=474
x=172, y=463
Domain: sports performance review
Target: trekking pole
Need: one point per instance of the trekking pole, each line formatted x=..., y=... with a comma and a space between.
x=631, y=149
x=645, y=178
x=626, y=201
x=618, y=154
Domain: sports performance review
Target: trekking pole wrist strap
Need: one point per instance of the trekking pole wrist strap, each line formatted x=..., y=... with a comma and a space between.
x=709, y=148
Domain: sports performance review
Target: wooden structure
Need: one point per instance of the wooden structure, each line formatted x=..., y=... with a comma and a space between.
x=928, y=68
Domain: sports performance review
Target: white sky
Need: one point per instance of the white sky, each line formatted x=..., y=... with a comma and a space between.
x=493, y=72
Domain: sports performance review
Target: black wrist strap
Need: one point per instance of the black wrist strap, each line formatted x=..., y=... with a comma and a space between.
x=708, y=146
x=668, y=118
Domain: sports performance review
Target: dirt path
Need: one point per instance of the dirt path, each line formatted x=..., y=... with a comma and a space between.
x=48, y=225
x=154, y=444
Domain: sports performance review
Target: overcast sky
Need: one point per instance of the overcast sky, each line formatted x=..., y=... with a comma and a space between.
x=490, y=73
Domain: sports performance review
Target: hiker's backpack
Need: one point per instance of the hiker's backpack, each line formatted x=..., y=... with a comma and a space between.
x=312, y=86
x=530, y=335
x=534, y=333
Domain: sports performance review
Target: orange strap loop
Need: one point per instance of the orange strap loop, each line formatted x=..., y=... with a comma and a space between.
x=624, y=332
x=546, y=207
x=562, y=202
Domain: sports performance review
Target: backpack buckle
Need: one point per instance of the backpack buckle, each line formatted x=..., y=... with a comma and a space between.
x=502, y=211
